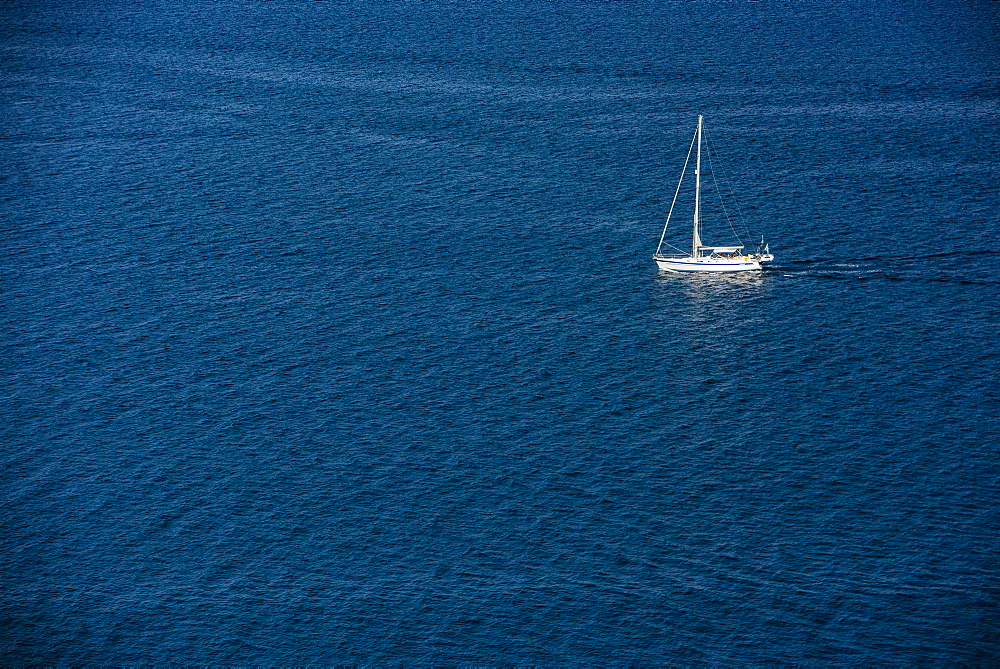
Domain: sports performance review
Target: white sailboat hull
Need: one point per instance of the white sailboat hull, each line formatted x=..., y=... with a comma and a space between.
x=704, y=264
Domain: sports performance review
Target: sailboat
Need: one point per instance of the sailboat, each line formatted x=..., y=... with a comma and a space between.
x=706, y=258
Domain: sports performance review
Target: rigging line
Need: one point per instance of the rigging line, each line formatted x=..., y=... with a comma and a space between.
x=676, y=192
x=736, y=202
x=718, y=192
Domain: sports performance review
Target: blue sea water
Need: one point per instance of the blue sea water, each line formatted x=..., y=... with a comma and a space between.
x=331, y=334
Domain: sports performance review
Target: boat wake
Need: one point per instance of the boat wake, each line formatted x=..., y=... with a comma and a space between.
x=923, y=267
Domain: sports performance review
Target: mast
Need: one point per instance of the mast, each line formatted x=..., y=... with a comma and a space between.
x=695, y=237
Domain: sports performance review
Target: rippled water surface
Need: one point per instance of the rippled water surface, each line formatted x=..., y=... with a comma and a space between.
x=331, y=334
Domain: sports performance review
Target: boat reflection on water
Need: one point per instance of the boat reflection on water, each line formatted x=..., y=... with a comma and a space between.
x=724, y=299
x=709, y=286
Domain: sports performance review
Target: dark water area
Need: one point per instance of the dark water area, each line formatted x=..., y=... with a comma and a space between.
x=331, y=334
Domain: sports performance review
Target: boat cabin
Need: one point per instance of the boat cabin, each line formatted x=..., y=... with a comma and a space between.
x=722, y=251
